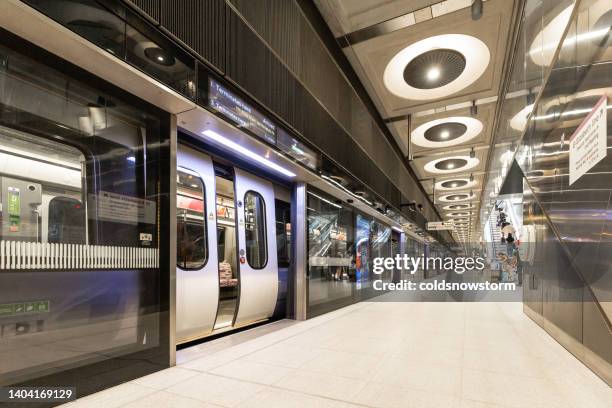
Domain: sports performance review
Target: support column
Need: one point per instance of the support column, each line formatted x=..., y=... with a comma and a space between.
x=300, y=248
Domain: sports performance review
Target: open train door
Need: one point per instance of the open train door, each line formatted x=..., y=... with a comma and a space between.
x=197, y=278
x=257, y=248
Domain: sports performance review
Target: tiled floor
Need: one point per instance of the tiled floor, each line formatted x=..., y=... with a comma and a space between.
x=375, y=355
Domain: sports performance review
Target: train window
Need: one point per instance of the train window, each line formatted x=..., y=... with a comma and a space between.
x=66, y=221
x=255, y=230
x=40, y=183
x=283, y=233
x=192, y=245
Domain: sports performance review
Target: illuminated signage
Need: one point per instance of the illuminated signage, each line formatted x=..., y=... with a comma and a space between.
x=238, y=111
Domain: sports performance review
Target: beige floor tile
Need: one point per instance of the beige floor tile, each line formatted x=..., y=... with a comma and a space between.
x=323, y=385
x=363, y=345
x=506, y=362
x=163, y=399
x=216, y=390
x=466, y=403
x=113, y=397
x=208, y=363
x=511, y=391
x=353, y=365
x=378, y=355
x=437, y=355
x=385, y=396
x=285, y=355
x=436, y=378
x=165, y=378
x=277, y=398
x=254, y=372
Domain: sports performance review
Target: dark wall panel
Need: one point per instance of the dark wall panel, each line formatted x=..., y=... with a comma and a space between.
x=150, y=7
x=279, y=23
x=200, y=25
x=269, y=49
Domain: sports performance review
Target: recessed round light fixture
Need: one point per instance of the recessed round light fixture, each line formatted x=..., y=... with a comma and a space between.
x=449, y=198
x=451, y=164
x=446, y=132
x=458, y=214
x=544, y=44
x=455, y=197
x=456, y=207
x=519, y=121
x=436, y=67
x=159, y=56
x=454, y=184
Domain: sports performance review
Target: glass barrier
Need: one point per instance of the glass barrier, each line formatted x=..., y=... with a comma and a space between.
x=80, y=201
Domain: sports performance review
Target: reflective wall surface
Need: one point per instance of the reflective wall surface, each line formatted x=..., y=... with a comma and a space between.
x=571, y=285
x=342, y=245
x=541, y=31
x=83, y=299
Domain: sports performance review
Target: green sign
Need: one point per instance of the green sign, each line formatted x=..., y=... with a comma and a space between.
x=10, y=309
x=14, y=209
x=6, y=310
x=42, y=307
x=14, y=201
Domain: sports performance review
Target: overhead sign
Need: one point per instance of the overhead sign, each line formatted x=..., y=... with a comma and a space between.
x=588, y=145
x=241, y=113
x=440, y=226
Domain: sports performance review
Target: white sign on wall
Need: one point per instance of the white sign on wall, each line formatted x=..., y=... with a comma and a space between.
x=122, y=209
x=588, y=145
x=440, y=226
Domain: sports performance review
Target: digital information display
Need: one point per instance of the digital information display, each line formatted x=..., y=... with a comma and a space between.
x=242, y=114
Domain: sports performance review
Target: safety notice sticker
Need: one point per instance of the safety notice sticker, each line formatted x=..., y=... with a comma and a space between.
x=123, y=209
x=588, y=145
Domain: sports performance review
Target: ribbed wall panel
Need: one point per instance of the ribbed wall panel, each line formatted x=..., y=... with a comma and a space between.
x=279, y=23
x=248, y=60
x=323, y=113
x=200, y=24
x=150, y=7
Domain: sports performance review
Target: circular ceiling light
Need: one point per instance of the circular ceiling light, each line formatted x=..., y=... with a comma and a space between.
x=159, y=56
x=449, y=198
x=451, y=164
x=446, y=132
x=519, y=121
x=456, y=207
x=542, y=53
x=455, y=184
x=458, y=214
x=436, y=67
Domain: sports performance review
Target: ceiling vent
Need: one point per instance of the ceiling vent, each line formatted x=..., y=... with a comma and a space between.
x=434, y=69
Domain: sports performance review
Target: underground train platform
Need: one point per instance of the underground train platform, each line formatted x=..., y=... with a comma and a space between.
x=305, y=203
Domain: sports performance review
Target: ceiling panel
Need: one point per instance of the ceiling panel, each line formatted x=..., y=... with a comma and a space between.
x=440, y=101
x=492, y=29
